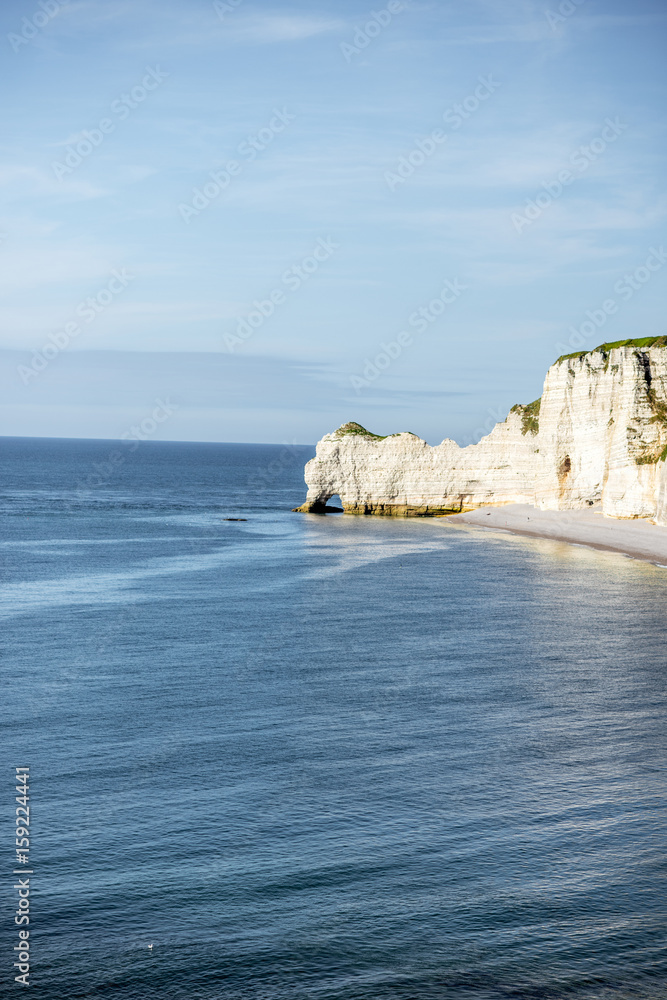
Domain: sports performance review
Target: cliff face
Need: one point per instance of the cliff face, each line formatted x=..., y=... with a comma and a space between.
x=599, y=433
x=402, y=474
x=604, y=415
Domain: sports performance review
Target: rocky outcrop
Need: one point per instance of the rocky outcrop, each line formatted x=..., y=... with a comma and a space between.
x=403, y=475
x=603, y=428
x=598, y=433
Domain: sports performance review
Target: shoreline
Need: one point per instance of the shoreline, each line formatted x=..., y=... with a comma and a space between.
x=636, y=539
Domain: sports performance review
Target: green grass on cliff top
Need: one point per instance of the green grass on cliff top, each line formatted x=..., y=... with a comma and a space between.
x=606, y=348
x=354, y=428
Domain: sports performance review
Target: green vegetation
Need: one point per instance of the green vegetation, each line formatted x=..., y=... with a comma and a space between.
x=530, y=416
x=649, y=459
x=659, y=408
x=354, y=428
x=606, y=348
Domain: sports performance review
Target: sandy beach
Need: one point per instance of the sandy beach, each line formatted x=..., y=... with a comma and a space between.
x=639, y=539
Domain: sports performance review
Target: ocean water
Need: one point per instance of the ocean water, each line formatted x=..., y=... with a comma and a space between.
x=321, y=757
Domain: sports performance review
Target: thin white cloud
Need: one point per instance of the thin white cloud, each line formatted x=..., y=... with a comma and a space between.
x=257, y=27
x=596, y=21
x=37, y=265
x=266, y=28
x=29, y=181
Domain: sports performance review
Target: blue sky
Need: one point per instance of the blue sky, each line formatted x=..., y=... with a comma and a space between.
x=404, y=145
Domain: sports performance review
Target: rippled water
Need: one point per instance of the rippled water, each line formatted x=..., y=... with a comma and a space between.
x=322, y=757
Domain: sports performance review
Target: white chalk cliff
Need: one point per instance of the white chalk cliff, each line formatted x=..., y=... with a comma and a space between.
x=598, y=434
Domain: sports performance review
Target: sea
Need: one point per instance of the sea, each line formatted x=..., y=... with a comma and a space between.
x=275, y=755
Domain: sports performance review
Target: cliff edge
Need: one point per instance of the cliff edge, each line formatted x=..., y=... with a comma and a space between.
x=597, y=434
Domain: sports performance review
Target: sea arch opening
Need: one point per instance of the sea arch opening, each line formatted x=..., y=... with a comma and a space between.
x=334, y=504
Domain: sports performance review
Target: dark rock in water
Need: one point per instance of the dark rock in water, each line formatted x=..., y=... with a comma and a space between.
x=235, y=519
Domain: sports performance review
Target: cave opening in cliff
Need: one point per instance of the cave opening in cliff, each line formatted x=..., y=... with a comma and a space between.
x=334, y=504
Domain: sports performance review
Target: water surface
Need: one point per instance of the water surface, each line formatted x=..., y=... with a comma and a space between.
x=322, y=757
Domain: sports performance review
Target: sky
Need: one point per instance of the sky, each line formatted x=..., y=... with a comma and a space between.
x=272, y=218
